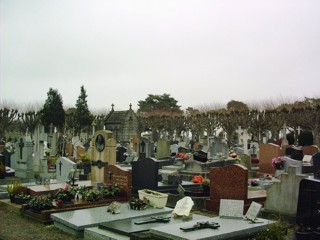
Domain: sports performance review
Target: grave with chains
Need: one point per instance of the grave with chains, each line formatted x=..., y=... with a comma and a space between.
x=103, y=154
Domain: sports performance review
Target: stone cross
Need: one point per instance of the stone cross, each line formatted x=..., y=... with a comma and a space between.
x=284, y=136
x=253, y=149
x=299, y=130
x=21, y=145
x=60, y=164
x=245, y=136
x=239, y=131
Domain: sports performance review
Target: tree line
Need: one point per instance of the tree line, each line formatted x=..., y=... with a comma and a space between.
x=162, y=115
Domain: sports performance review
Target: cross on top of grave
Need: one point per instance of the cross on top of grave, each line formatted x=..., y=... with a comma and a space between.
x=21, y=145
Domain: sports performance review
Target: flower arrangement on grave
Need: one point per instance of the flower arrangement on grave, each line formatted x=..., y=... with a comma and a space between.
x=65, y=194
x=138, y=204
x=40, y=203
x=59, y=203
x=92, y=195
x=197, y=179
x=13, y=189
x=278, y=162
x=254, y=182
x=110, y=190
x=205, y=184
x=183, y=156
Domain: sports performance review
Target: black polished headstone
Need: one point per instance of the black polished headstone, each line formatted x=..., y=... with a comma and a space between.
x=316, y=165
x=145, y=174
x=308, y=203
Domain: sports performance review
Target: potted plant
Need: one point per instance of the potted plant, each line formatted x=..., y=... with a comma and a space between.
x=65, y=194
x=80, y=191
x=205, y=184
x=110, y=190
x=39, y=203
x=278, y=163
x=21, y=194
x=138, y=204
x=59, y=203
x=92, y=195
x=22, y=198
x=13, y=188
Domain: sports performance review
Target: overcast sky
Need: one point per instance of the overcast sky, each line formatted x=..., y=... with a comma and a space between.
x=199, y=52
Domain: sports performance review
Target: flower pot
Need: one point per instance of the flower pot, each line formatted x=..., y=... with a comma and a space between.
x=156, y=199
x=19, y=200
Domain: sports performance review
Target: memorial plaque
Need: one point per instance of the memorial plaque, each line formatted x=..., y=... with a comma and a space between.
x=253, y=211
x=231, y=208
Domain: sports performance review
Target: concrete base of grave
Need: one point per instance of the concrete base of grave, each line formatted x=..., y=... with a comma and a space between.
x=101, y=234
x=24, y=174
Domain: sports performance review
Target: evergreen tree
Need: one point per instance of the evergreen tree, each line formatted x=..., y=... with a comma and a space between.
x=52, y=111
x=159, y=103
x=82, y=116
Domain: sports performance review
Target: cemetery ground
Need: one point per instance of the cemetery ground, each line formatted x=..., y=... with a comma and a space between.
x=15, y=226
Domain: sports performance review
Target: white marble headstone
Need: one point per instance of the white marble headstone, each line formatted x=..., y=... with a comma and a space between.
x=63, y=168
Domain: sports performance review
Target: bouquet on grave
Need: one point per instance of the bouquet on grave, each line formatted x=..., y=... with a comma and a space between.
x=183, y=156
x=278, y=162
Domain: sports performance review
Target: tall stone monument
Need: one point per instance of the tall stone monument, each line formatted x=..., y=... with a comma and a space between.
x=103, y=153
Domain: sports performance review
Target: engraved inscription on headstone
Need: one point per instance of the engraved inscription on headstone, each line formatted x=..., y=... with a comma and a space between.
x=231, y=208
x=253, y=211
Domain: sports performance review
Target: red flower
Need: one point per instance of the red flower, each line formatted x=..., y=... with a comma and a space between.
x=197, y=179
x=182, y=155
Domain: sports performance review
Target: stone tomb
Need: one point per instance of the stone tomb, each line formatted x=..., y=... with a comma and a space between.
x=231, y=182
x=103, y=153
x=229, y=229
x=283, y=196
x=115, y=174
x=63, y=169
x=75, y=222
x=128, y=227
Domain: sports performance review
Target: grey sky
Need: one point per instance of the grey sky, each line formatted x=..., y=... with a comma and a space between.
x=199, y=52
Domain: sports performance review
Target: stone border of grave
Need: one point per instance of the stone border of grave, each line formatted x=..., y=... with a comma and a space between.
x=45, y=215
